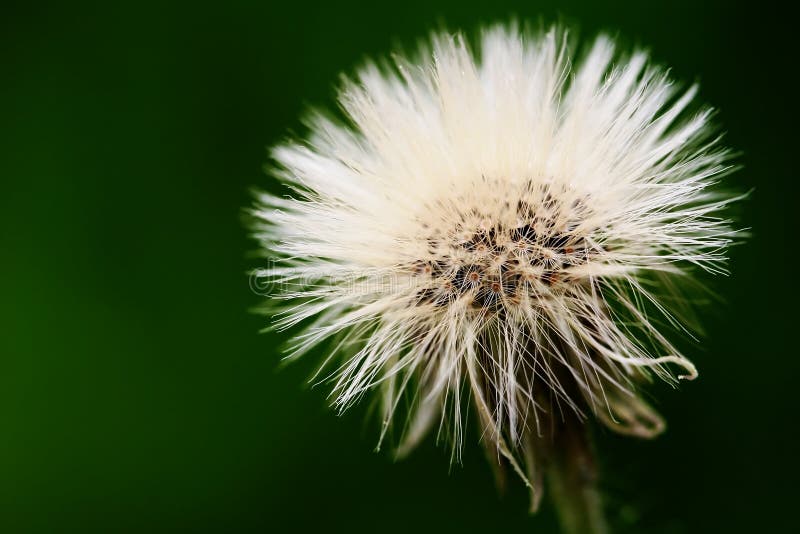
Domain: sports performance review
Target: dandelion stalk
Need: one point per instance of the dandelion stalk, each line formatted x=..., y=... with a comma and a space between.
x=573, y=482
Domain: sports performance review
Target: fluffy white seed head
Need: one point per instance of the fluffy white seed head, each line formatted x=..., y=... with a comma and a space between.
x=502, y=229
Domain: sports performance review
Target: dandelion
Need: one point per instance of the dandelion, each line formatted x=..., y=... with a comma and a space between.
x=500, y=233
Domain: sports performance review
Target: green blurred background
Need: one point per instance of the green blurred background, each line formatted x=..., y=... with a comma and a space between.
x=135, y=391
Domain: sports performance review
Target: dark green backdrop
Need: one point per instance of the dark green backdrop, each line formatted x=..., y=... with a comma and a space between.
x=135, y=392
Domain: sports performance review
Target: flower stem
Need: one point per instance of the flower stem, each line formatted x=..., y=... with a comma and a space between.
x=572, y=477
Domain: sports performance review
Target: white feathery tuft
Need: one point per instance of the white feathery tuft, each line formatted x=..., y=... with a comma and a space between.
x=501, y=229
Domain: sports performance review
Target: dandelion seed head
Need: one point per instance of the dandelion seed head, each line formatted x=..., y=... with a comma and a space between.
x=497, y=230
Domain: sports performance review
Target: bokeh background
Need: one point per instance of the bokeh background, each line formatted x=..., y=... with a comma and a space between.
x=135, y=391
